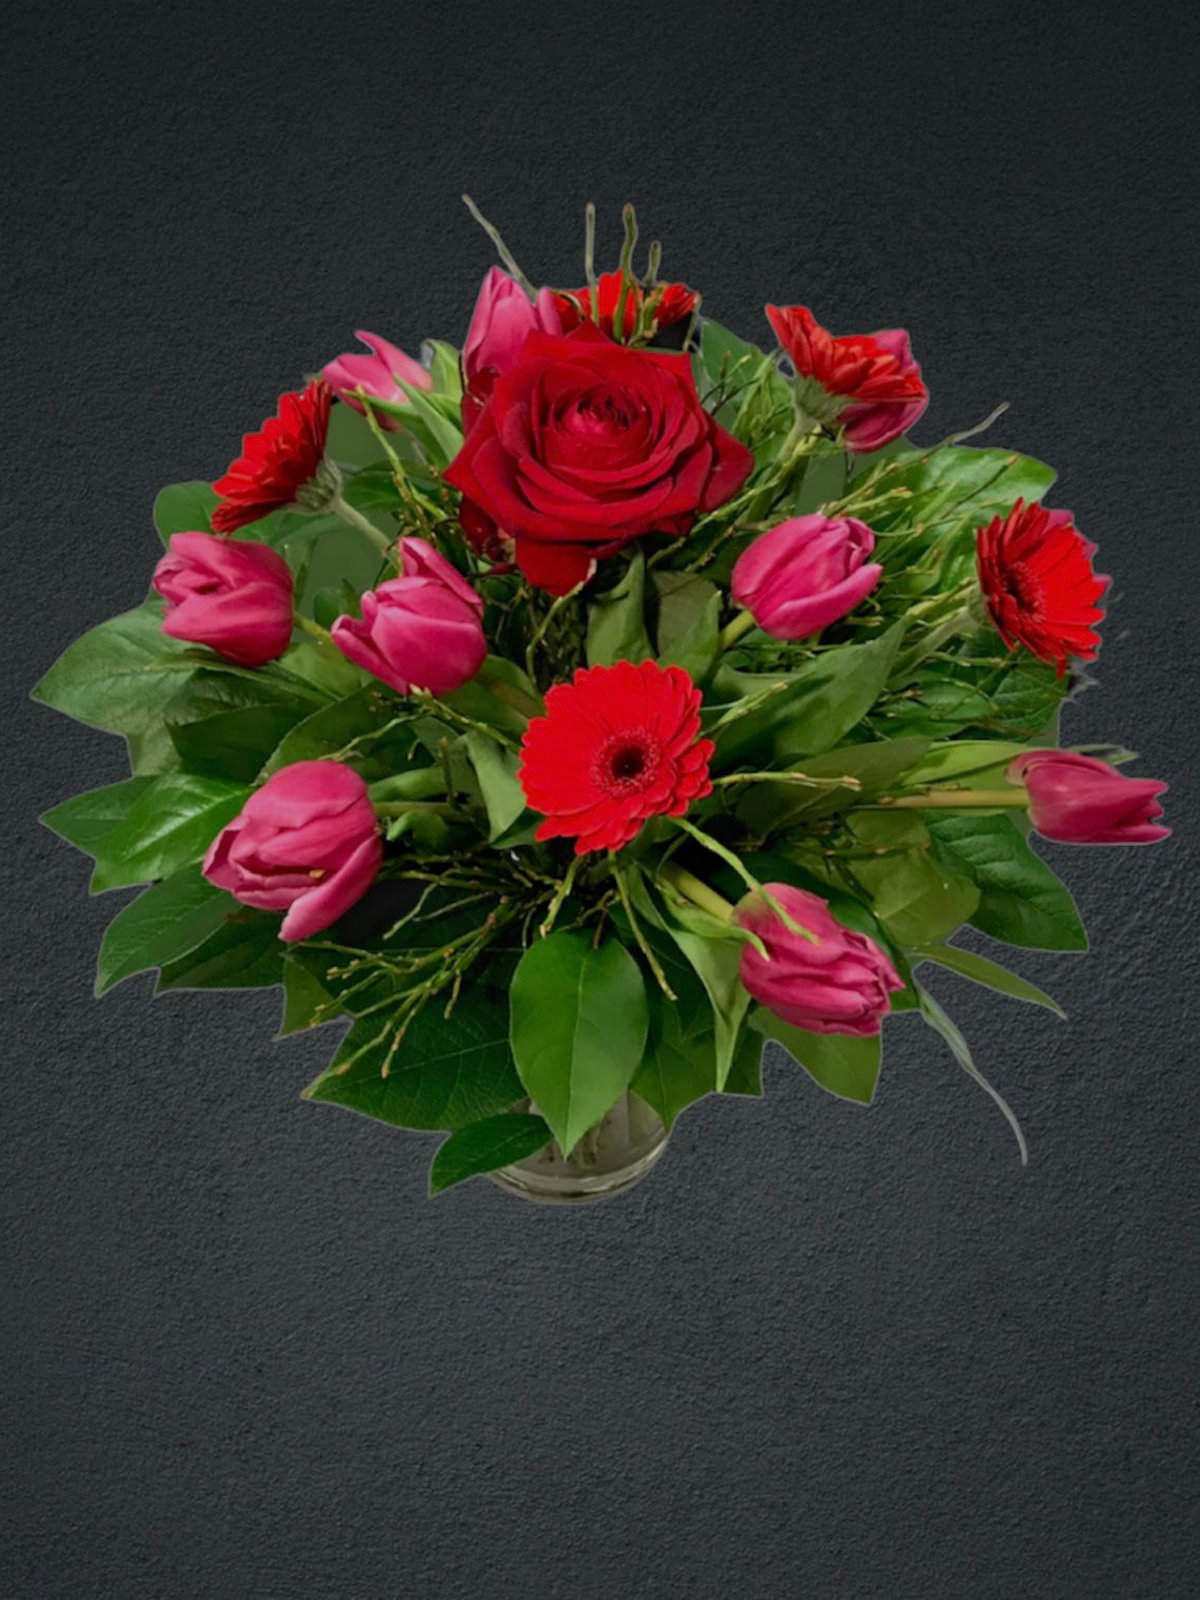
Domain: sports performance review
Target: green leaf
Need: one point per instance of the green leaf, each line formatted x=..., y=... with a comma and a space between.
x=184, y=508
x=446, y=1073
x=86, y=820
x=988, y=973
x=689, y=619
x=164, y=923
x=485, y=1146
x=579, y=1022
x=496, y=769
x=825, y=699
x=677, y=1069
x=244, y=953
x=307, y=1003
x=616, y=625
x=235, y=744
x=170, y=823
x=975, y=484
x=917, y=897
x=362, y=716
x=716, y=963
x=445, y=368
x=845, y=1064
x=961, y=1050
x=1021, y=901
x=118, y=675
x=745, y=1072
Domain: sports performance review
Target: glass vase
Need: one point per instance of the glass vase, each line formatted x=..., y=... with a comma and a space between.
x=609, y=1158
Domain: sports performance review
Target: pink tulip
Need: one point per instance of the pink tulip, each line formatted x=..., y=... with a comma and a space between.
x=230, y=594
x=306, y=843
x=376, y=375
x=805, y=574
x=840, y=984
x=503, y=318
x=423, y=630
x=1076, y=799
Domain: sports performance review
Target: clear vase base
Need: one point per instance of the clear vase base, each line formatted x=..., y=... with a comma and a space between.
x=610, y=1158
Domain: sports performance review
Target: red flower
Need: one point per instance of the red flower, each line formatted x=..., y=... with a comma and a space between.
x=575, y=305
x=277, y=462
x=584, y=445
x=1035, y=570
x=616, y=746
x=876, y=372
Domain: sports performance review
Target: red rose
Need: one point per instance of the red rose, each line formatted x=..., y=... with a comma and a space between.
x=585, y=445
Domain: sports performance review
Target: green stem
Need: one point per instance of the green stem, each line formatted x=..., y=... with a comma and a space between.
x=733, y=631
x=747, y=877
x=698, y=892
x=962, y=621
x=313, y=629
x=421, y=784
x=364, y=525
x=643, y=943
x=399, y=808
x=560, y=896
x=542, y=628
x=515, y=698
x=952, y=800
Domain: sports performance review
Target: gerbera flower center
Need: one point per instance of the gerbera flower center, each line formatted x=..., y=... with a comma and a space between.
x=1023, y=588
x=627, y=762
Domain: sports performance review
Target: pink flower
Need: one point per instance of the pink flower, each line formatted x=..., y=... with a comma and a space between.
x=503, y=318
x=306, y=843
x=840, y=984
x=376, y=375
x=230, y=594
x=1076, y=799
x=422, y=630
x=805, y=574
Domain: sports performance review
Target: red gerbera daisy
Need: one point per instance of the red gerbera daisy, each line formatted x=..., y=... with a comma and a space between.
x=277, y=462
x=672, y=302
x=874, y=385
x=616, y=746
x=1035, y=570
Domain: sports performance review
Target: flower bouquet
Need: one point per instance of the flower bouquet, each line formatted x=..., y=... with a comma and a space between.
x=578, y=711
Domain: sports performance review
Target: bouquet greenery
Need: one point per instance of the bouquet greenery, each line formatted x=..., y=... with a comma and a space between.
x=578, y=711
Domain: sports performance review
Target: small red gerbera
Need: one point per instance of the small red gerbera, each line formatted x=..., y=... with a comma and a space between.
x=616, y=746
x=672, y=302
x=277, y=462
x=871, y=378
x=1035, y=570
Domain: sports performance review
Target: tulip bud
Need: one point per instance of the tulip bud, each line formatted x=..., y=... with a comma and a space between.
x=423, y=630
x=839, y=984
x=1075, y=799
x=805, y=574
x=230, y=594
x=376, y=375
x=503, y=318
x=306, y=843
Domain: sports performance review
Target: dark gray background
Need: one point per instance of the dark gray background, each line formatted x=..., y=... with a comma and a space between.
x=822, y=1351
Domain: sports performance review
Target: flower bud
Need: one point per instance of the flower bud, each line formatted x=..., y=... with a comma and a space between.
x=230, y=594
x=306, y=843
x=423, y=630
x=839, y=984
x=1075, y=799
x=805, y=574
x=503, y=318
x=376, y=375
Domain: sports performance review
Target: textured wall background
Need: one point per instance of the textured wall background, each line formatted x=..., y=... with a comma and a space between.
x=822, y=1352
